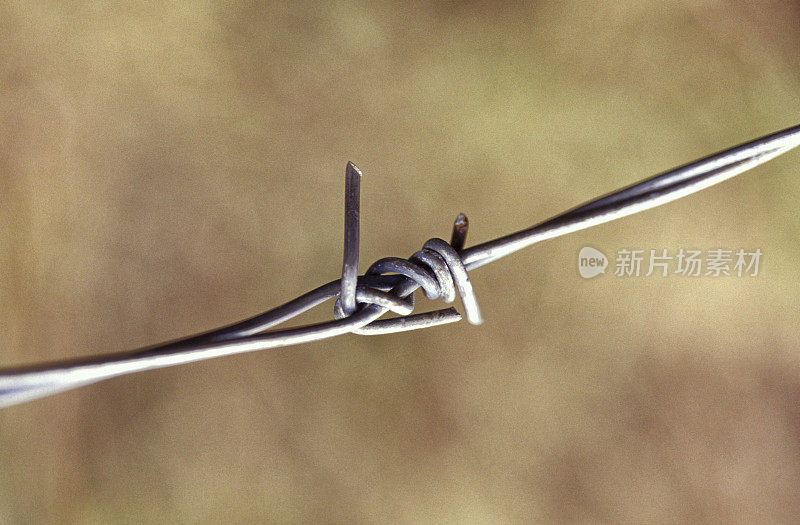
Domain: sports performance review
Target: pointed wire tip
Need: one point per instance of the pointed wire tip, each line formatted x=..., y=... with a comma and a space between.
x=460, y=227
x=352, y=169
x=448, y=315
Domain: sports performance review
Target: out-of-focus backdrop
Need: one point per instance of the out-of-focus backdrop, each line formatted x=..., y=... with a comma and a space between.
x=170, y=168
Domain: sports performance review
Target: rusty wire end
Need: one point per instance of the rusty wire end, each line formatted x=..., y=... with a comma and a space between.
x=459, y=237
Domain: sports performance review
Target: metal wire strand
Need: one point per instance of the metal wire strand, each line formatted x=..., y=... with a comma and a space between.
x=644, y=195
x=441, y=269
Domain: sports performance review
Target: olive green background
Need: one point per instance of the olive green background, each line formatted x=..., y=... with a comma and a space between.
x=169, y=168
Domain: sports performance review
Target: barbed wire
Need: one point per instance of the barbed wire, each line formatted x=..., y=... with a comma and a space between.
x=440, y=268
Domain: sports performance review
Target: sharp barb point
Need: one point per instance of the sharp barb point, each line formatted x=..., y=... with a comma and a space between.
x=460, y=228
x=352, y=168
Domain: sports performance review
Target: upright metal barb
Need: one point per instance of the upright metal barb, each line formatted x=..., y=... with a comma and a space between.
x=439, y=268
x=352, y=204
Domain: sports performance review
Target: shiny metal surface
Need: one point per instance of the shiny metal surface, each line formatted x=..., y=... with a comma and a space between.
x=439, y=268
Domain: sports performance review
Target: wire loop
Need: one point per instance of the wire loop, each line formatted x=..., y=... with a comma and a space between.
x=436, y=268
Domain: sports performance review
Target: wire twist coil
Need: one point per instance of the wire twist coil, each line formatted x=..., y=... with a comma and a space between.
x=436, y=268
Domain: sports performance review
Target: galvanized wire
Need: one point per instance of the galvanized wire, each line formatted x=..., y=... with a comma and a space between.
x=439, y=268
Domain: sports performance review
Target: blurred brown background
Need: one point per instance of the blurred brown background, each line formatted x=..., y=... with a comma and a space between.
x=166, y=169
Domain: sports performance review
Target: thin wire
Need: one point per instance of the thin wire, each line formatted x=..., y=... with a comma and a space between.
x=440, y=268
x=644, y=195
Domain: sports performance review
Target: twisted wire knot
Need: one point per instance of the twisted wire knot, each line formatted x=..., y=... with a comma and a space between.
x=437, y=268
